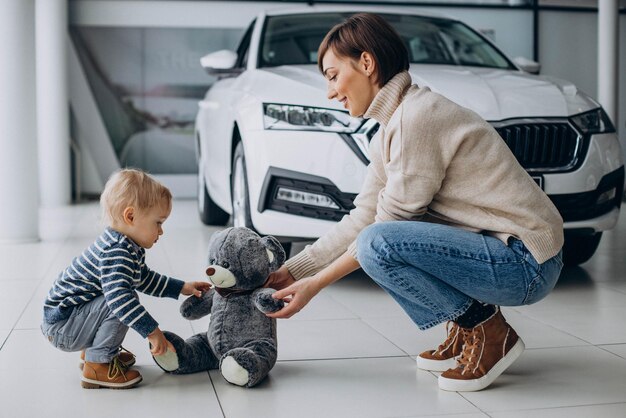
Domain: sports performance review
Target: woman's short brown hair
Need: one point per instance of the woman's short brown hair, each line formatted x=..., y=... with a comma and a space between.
x=367, y=32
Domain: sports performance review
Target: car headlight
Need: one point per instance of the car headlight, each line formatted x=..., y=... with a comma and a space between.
x=303, y=118
x=593, y=122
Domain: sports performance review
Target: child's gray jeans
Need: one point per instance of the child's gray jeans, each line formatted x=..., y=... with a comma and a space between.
x=92, y=327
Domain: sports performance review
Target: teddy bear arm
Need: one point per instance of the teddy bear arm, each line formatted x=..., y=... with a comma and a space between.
x=264, y=301
x=197, y=307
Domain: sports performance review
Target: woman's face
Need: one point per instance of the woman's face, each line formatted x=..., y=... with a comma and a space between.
x=351, y=82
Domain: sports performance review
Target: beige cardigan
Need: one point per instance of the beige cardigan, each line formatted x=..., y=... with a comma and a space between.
x=435, y=161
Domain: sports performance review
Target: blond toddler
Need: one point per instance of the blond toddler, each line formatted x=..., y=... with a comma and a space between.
x=93, y=301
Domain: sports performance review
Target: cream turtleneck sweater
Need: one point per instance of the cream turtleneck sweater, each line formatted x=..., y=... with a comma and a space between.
x=435, y=161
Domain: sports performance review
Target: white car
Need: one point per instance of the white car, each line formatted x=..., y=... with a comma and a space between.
x=281, y=158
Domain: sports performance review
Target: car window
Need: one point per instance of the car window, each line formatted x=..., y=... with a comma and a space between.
x=468, y=48
x=244, y=47
x=294, y=39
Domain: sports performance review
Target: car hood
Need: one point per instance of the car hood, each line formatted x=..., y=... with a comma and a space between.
x=492, y=93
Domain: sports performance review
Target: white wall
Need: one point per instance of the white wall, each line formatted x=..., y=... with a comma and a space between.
x=568, y=49
x=19, y=187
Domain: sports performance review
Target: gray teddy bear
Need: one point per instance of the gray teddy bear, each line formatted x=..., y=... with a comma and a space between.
x=241, y=340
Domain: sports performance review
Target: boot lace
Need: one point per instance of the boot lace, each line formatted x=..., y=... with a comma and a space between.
x=116, y=369
x=452, y=331
x=471, y=349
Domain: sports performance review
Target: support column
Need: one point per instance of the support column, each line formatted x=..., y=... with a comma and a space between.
x=608, y=56
x=53, y=132
x=19, y=193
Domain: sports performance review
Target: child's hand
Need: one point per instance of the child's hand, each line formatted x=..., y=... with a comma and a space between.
x=158, y=343
x=195, y=288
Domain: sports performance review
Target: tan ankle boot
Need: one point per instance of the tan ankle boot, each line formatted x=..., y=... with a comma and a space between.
x=126, y=358
x=111, y=375
x=490, y=348
x=444, y=357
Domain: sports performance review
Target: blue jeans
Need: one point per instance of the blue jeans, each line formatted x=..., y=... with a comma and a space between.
x=92, y=327
x=436, y=271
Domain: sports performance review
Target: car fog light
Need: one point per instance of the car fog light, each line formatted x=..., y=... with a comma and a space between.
x=606, y=196
x=305, y=198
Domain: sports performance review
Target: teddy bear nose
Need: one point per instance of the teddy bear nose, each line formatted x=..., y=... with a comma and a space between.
x=210, y=271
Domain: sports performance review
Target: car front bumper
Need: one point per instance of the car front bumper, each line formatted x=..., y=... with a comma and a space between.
x=319, y=162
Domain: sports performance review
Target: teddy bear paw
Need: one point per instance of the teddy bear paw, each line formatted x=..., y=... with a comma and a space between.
x=233, y=372
x=168, y=361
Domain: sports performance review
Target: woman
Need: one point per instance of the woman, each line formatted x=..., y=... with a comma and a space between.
x=480, y=232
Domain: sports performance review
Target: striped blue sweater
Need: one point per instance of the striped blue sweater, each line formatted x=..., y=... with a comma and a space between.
x=113, y=266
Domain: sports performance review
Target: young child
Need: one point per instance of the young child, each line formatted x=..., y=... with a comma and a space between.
x=93, y=302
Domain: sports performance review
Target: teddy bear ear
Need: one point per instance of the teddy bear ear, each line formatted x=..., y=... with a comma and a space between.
x=277, y=257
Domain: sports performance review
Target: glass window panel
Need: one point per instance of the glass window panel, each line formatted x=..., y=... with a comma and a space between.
x=294, y=39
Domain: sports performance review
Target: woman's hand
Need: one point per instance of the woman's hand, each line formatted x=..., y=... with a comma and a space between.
x=301, y=293
x=298, y=294
x=280, y=279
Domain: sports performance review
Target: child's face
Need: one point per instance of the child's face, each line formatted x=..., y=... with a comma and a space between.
x=147, y=225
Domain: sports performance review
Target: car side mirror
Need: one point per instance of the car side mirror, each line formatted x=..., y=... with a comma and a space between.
x=526, y=65
x=220, y=63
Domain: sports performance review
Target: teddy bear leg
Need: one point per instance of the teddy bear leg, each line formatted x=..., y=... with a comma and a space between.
x=232, y=371
x=248, y=365
x=191, y=356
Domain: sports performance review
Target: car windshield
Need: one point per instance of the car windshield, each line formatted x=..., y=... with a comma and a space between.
x=294, y=39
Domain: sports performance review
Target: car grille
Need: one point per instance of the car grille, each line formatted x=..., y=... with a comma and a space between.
x=539, y=145
x=543, y=146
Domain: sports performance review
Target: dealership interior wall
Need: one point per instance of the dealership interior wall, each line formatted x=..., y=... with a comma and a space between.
x=130, y=72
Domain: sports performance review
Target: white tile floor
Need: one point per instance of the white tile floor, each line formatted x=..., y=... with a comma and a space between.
x=349, y=354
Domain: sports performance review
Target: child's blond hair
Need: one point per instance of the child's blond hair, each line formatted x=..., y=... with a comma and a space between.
x=131, y=187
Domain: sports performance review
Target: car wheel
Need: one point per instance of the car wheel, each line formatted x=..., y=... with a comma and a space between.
x=240, y=196
x=239, y=190
x=210, y=213
x=580, y=248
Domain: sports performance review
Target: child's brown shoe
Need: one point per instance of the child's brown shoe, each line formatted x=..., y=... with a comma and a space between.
x=490, y=348
x=444, y=357
x=111, y=375
x=126, y=358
